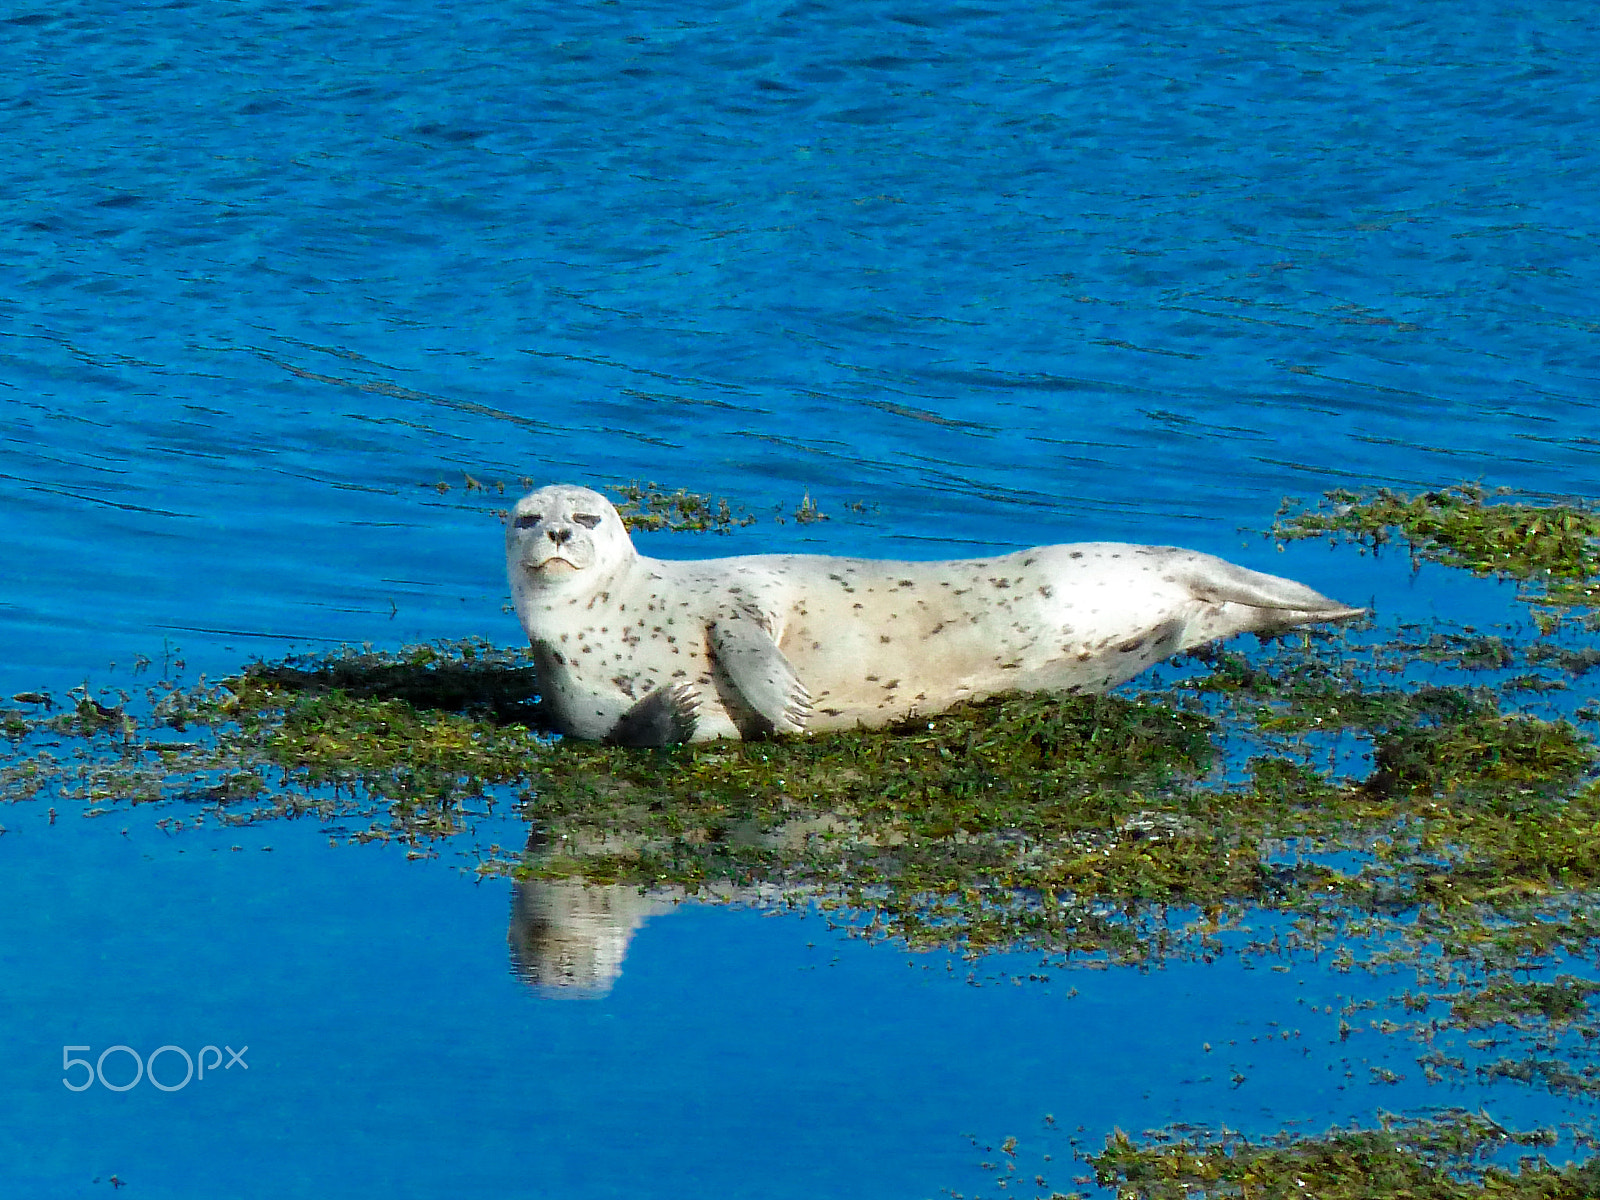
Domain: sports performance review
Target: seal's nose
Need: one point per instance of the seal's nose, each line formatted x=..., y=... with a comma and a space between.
x=559, y=534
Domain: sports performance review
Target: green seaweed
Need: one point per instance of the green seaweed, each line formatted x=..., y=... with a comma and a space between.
x=648, y=508
x=1480, y=749
x=1463, y=526
x=807, y=511
x=1558, y=1001
x=468, y=676
x=1439, y=1157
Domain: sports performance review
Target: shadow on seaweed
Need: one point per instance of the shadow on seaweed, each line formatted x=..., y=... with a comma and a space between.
x=470, y=677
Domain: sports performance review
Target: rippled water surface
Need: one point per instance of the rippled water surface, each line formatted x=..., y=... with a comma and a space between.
x=279, y=282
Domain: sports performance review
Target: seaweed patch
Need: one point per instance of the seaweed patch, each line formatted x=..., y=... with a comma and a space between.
x=1552, y=549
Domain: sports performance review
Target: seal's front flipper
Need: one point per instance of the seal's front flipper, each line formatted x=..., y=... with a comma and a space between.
x=766, y=684
x=665, y=717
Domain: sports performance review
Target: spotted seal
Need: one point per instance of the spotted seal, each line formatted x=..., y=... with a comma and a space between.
x=644, y=651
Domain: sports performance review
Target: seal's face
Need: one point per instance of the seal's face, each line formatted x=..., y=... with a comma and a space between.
x=563, y=533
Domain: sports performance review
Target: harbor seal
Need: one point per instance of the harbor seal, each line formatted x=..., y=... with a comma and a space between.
x=649, y=652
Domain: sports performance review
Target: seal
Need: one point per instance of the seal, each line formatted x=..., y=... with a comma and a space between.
x=650, y=652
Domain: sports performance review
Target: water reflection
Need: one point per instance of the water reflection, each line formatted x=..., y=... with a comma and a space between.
x=569, y=937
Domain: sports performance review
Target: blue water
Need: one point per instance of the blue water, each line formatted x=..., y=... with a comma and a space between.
x=391, y=1052
x=1004, y=273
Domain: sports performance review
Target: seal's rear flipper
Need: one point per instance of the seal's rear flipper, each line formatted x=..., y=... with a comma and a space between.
x=1283, y=601
x=665, y=717
x=1234, y=599
x=767, y=685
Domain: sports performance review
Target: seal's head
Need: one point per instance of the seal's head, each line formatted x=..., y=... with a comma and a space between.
x=564, y=533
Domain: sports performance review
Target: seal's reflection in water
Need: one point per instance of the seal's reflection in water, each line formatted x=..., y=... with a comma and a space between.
x=569, y=937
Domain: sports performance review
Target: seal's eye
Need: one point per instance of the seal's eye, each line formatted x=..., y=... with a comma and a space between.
x=587, y=520
x=528, y=520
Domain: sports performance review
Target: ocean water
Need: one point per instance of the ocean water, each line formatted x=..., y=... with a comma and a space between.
x=280, y=282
